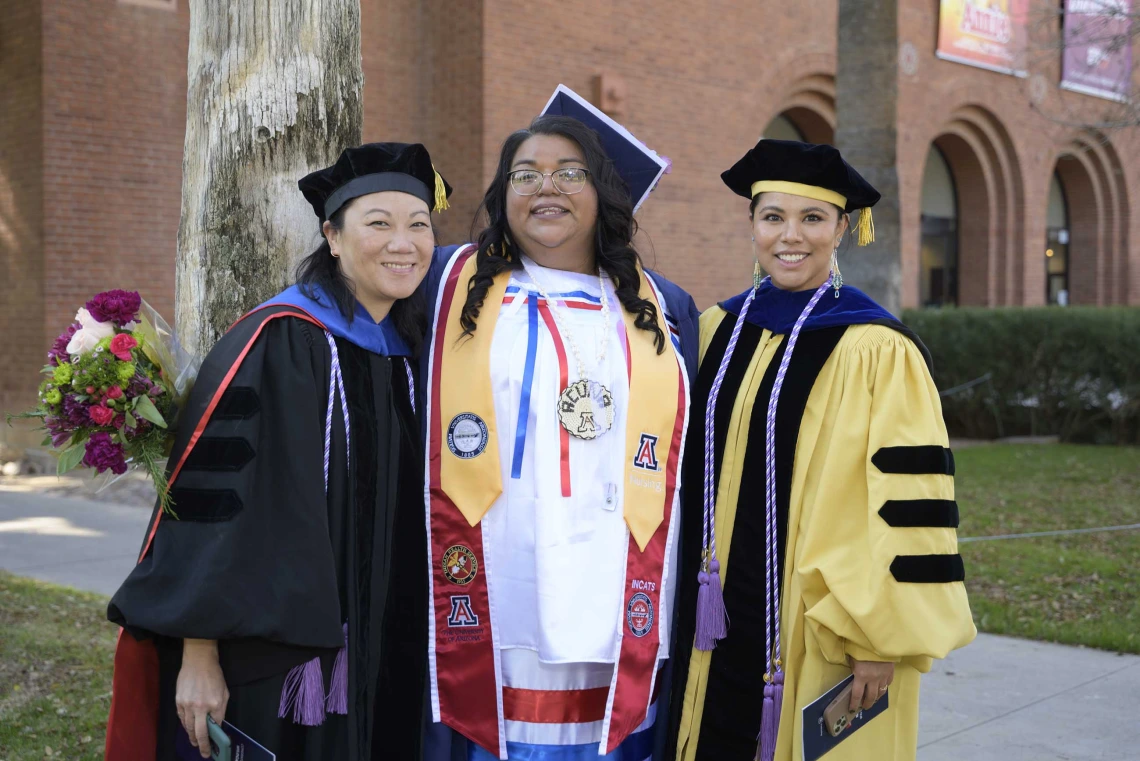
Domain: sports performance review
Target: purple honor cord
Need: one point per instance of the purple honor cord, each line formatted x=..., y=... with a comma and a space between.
x=303, y=697
x=712, y=618
x=774, y=678
x=711, y=614
x=336, y=386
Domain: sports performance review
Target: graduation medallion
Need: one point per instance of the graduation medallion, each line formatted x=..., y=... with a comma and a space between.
x=586, y=409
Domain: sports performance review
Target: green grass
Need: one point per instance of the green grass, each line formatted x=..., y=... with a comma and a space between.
x=56, y=648
x=1082, y=589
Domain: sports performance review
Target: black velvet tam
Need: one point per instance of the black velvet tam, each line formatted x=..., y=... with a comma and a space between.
x=374, y=168
x=806, y=164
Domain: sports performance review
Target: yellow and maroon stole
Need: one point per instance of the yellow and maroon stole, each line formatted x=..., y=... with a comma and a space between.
x=464, y=479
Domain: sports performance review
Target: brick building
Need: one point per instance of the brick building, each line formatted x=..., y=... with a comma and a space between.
x=1000, y=205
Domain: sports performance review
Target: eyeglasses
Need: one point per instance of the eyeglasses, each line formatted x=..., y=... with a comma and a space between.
x=570, y=180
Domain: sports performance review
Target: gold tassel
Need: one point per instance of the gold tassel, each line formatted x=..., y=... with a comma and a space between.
x=441, y=203
x=865, y=230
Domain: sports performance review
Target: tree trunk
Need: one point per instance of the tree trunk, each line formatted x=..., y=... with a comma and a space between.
x=866, y=112
x=274, y=93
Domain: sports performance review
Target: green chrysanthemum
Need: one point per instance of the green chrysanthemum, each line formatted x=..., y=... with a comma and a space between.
x=62, y=374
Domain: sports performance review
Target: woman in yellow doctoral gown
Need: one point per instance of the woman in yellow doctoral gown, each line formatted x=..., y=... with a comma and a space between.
x=827, y=514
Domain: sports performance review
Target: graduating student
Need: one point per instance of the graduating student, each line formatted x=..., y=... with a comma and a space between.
x=557, y=402
x=287, y=596
x=826, y=522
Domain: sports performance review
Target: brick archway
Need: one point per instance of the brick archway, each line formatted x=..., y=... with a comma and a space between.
x=990, y=198
x=809, y=104
x=1093, y=181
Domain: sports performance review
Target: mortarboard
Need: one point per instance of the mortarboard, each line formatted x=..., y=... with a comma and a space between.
x=374, y=168
x=639, y=166
x=803, y=169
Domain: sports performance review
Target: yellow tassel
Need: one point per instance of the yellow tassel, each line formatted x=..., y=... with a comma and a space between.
x=441, y=203
x=865, y=230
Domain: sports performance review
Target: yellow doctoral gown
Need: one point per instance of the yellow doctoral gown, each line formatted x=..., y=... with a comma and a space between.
x=865, y=480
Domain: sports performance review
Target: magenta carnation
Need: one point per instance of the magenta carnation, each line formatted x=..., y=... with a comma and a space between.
x=58, y=355
x=118, y=307
x=104, y=454
x=100, y=414
x=121, y=346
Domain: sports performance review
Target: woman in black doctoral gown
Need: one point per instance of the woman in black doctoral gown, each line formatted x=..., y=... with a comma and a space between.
x=287, y=598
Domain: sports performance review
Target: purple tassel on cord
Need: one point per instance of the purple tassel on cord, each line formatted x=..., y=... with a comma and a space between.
x=303, y=695
x=337, y=701
x=711, y=615
x=770, y=718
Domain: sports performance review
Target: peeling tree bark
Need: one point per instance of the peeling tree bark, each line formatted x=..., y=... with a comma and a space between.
x=274, y=92
x=867, y=114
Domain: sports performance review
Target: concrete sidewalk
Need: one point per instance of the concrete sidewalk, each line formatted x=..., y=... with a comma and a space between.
x=75, y=542
x=1000, y=699
x=1006, y=699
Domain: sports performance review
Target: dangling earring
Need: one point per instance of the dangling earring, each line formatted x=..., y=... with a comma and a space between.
x=756, y=276
x=836, y=275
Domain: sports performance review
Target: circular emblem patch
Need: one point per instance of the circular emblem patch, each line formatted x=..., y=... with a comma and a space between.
x=639, y=614
x=586, y=409
x=467, y=436
x=460, y=565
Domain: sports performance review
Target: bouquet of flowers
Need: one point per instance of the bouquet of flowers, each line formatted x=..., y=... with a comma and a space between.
x=115, y=381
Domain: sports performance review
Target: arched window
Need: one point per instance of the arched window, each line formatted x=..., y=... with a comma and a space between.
x=938, y=251
x=1057, y=245
x=781, y=128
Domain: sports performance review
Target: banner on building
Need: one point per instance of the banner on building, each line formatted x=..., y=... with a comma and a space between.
x=986, y=33
x=1098, y=48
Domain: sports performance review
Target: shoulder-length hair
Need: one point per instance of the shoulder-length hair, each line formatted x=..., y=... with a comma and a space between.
x=613, y=235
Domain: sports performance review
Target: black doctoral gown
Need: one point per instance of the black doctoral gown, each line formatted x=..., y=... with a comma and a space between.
x=261, y=559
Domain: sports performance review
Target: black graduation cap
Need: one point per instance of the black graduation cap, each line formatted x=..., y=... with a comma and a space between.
x=805, y=169
x=374, y=168
x=639, y=166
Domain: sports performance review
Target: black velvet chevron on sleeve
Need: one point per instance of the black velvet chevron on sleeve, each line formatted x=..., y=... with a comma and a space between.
x=238, y=403
x=915, y=460
x=928, y=569
x=226, y=454
x=206, y=505
x=920, y=513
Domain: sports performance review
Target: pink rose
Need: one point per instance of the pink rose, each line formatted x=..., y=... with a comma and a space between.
x=115, y=393
x=101, y=415
x=121, y=346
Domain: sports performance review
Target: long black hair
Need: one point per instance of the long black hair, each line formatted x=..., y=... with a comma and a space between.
x=321, y=269
x=613, y=236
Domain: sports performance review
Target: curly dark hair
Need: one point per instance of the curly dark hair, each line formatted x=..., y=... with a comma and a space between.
x=321, y=269
x=614, y=231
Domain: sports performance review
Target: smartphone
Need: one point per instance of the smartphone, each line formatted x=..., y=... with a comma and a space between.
x=220, y=745
x=838, y=716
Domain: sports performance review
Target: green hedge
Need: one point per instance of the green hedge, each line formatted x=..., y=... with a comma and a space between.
x=1071, y=372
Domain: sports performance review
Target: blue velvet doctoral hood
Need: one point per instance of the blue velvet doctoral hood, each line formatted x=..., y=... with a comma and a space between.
x=378, y=338
x=777, y=310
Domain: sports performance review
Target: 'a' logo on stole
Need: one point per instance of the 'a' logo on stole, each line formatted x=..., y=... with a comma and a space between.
x=461, y=613
x=646, y=457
